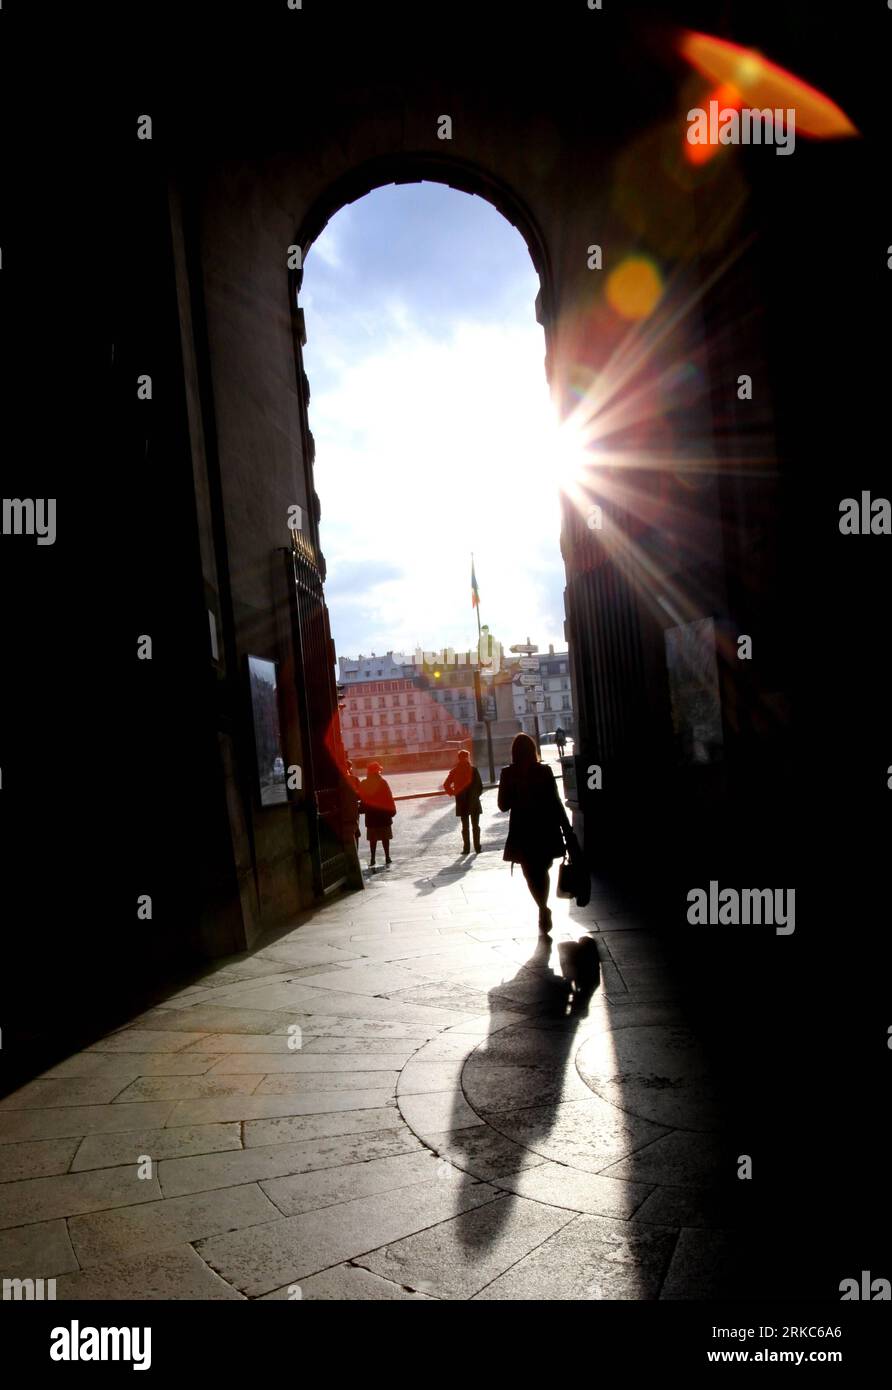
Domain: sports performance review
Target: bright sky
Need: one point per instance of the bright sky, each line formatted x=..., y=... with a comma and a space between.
x=433, y=424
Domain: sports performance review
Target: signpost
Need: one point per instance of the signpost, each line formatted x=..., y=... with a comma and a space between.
x=531, y=682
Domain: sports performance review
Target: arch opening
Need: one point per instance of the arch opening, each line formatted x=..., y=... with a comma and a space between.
x=436, y=454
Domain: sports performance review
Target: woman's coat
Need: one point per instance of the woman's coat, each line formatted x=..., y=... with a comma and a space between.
x=537, y=815
x=464, y=783
x=378, y=805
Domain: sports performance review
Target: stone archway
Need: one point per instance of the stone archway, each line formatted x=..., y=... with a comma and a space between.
x=380, y=174
x=253, y=209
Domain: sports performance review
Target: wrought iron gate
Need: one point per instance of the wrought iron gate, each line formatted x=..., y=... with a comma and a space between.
x=320, y=725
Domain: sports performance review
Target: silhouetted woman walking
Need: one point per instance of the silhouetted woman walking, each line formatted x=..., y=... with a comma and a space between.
x=535, y=829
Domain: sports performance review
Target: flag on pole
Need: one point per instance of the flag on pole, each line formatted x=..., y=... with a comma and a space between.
x=475, y=592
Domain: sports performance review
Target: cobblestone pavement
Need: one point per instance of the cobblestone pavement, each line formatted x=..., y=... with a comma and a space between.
x=458, y=1121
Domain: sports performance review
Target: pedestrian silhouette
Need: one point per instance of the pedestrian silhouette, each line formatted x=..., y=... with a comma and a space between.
x=560, y=739
x=379, y=808
x=353, y=783
x=538, y=822
x=463, y=782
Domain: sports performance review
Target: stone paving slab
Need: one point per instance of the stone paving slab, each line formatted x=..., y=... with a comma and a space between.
x=487, y=1023
x=39, y=1251
x=357, y=1026
x=482, y=1152
x=365, y=979
x=680, y=1158
x=448, y=995
x=290, y=1128
x=705, y=1264
x=218, y=1111
x=692, y=1206
x=111, y=1235
x=456, y=1259
x=346, y=1282
x=227, y=992
x=113, y=1150
x=300, y=953
x=307, y=1063
x=297, y=1084
x=446, y=1047
x=79, y=1090
x=36, y=1158
x=403, y=950
x=316, y=1026
x=588, y=1134
x=420, y=1075
x=37, y=1199
x=560, y=1186
x=491, y=1086
x=657, y=1071
x=395, y=1050
x=265, y=1257
x=325, y=1187
x=632, y=1013
x=130, y=1065
x=178, y=1273
x=524, y=1043
x=214, y=1018
x=433, y=1111
x=306, y=999
x=139, y=1039
x=267, y=963
x=259, y=1163
x=590, y=1258
x=188, y=1087
x=81, y=1119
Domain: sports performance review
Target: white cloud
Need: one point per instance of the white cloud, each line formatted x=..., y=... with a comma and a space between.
x=327, y=245
x=427, y=450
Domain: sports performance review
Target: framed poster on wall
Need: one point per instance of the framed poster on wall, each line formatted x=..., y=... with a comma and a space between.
x=269, y=755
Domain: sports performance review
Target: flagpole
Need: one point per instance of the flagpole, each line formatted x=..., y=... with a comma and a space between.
x=486, y=724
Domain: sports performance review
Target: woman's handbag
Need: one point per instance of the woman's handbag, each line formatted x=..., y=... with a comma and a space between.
x=575, y=874
x=566, y=881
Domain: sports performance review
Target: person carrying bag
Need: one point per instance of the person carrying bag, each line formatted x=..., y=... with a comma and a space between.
x=574, y=878
x=538, y=829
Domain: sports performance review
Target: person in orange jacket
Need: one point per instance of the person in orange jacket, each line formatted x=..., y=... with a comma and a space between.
x=464, y=783
x=379, y=808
